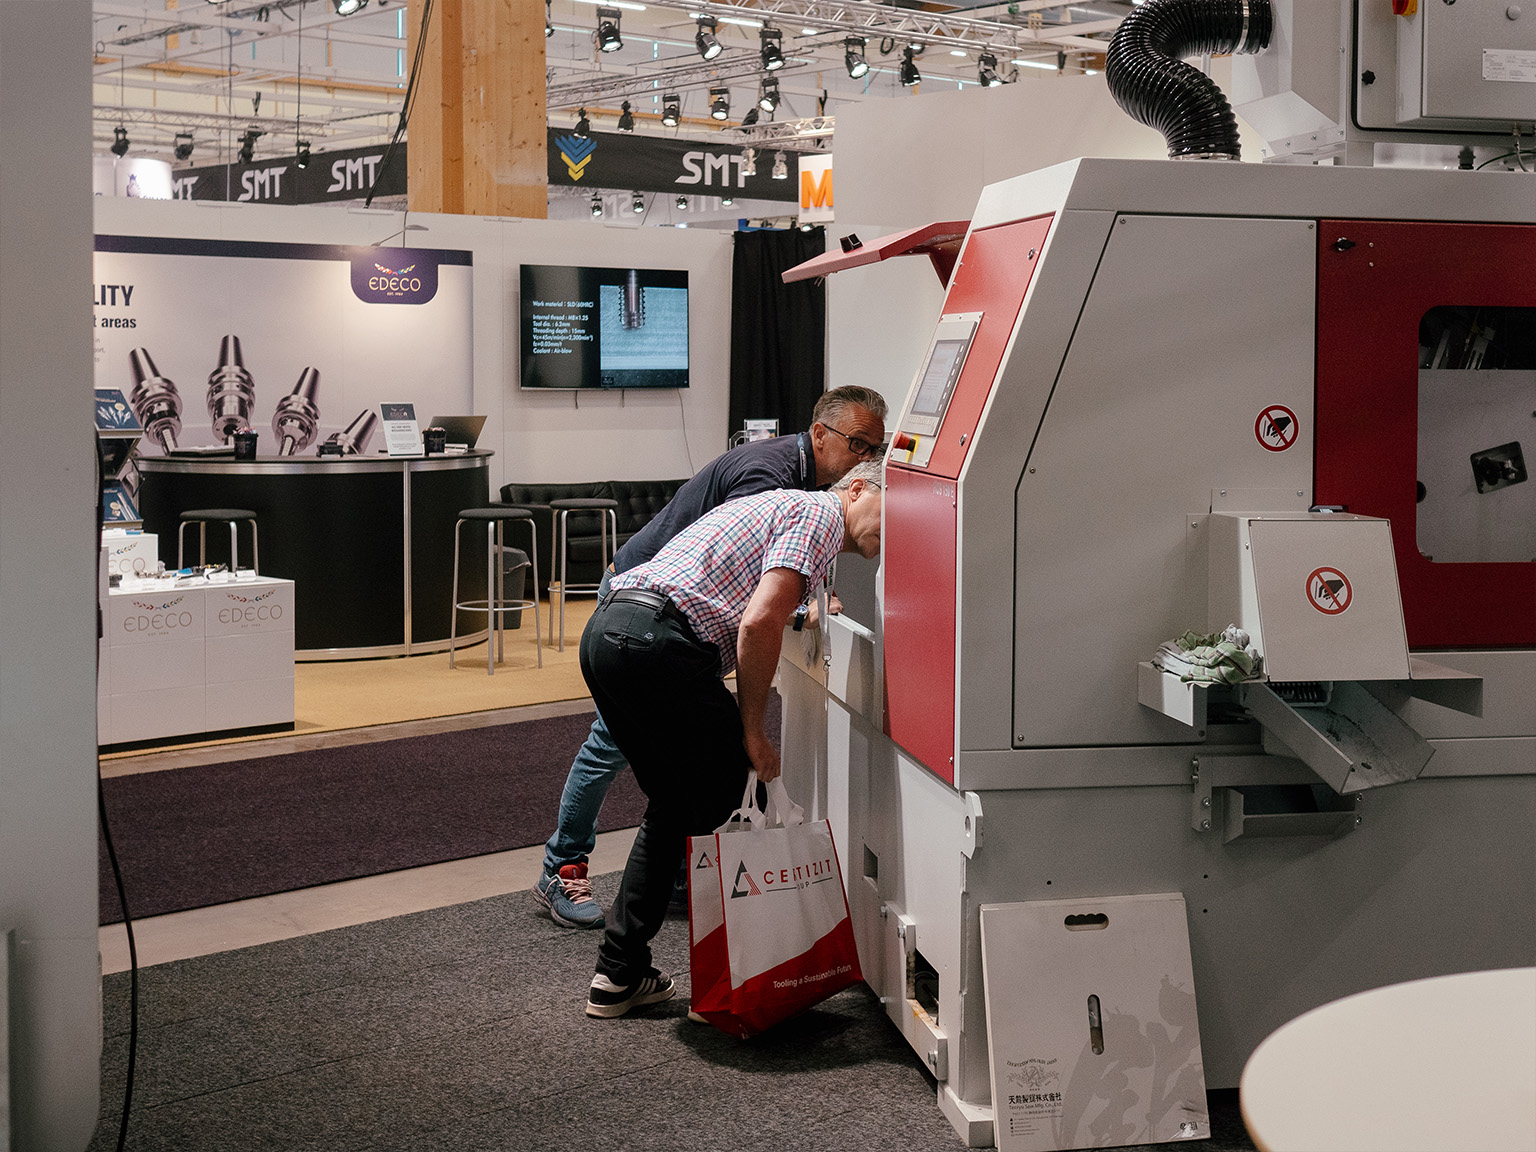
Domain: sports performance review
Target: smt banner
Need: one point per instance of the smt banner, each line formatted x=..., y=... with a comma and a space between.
x=329, y=177
x=655, y=164
x=297, y=342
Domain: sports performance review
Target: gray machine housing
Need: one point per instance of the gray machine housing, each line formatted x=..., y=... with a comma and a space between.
x=1171, y=303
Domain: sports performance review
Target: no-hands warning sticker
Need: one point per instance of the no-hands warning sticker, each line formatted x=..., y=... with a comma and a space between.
x=1276, y=428
x=1329, y=591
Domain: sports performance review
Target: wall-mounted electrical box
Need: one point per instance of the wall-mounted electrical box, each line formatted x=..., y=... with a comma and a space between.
x=1466, y=62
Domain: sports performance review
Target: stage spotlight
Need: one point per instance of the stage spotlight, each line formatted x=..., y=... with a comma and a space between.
x=853, y=57
x=671, y=110
x=549, y=25
x=301, y=159
x=750, y=118
x=348, y=7
x=986, y=71
x=806, y=227
x=749, y=162
x=248, y=144
x=183, y=145
x=908, y=74
x=719, y=103
x=768, y=97
x=608, y=38
x=597, y=205
x=682, y=203
x=780, y=168
x=1061, y=60
x=636, y=202
x=771, y=50
x=119, y=141
x=626, y=118
x=705, y=39
x=583, y=125
x=726, y=201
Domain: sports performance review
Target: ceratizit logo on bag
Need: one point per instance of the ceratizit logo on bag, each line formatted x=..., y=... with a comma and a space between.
x=394, y=276
x=743, y=877
x=782, y=879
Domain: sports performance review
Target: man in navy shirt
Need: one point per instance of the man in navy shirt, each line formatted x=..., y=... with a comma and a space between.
x=847, y=426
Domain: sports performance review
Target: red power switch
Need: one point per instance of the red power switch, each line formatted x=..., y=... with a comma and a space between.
x=1405, y=7
x=902, y=442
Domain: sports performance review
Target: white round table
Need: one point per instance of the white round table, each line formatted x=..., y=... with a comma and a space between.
x=1438, y=1065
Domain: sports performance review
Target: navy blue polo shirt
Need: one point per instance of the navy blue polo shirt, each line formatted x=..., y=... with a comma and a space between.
x=760, y=466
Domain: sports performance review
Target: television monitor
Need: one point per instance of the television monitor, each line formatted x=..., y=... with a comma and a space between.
x=604, y=327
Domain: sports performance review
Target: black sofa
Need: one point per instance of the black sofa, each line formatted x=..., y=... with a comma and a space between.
x=639, y=501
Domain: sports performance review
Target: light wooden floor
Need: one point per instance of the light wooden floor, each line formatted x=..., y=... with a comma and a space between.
x=351, y=694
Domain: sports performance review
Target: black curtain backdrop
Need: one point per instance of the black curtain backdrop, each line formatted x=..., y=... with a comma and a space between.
x=778, y=330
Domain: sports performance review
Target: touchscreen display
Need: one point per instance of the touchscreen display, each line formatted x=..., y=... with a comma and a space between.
x=934, y=389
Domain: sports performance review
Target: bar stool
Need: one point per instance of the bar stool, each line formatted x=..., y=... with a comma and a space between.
x=496, y=603
x=607, y=513
x=201, y=517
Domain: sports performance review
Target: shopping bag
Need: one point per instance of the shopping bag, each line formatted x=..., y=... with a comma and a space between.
x=771, y=934
x=708, y=970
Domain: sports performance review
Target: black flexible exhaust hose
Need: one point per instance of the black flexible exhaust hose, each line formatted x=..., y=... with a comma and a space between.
x=1150, y=81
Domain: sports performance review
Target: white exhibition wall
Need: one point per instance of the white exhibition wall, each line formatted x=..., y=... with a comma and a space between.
x=915, y=160
x=539, y=437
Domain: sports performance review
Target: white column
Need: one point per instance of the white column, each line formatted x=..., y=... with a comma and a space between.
x=48, y=563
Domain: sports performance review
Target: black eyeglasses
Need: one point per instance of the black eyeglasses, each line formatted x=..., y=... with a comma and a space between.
x=856, y=444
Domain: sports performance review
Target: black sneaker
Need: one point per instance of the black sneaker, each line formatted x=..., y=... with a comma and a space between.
x=605, y=998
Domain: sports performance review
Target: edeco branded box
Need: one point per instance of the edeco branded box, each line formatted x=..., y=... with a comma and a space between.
x=200, y=659
x=130, y=553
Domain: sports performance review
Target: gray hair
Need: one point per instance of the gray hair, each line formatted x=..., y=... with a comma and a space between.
x=870, y=471
x=834, y=405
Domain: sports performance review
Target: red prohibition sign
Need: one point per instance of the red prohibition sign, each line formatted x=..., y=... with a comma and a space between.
x=1276, y=428
x=1329, y=591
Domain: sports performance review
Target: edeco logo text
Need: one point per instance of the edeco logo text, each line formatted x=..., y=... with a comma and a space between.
x=394, y=276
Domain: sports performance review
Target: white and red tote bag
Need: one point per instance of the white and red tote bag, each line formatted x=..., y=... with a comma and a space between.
x=771, y=934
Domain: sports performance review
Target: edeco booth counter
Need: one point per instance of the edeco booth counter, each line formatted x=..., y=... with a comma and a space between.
x=1167, y=397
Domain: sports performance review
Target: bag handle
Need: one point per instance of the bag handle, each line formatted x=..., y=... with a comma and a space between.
x=785, y=812
x=781, y=811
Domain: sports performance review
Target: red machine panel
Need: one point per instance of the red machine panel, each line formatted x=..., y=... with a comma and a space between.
x=920, y=572
x=994, y=273
x=1375, y=281
x=921, y=543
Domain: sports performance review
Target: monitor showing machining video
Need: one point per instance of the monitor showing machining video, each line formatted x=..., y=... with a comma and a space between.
x=604, y=327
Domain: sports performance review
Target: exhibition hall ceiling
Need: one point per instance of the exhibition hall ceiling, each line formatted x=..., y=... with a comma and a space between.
x=298, y=70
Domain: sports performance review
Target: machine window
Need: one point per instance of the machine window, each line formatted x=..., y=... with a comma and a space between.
x=1477, y=434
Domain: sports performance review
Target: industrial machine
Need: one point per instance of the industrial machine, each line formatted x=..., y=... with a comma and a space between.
x=1168, y=396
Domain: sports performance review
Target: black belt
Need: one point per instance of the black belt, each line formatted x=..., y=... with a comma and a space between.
x=658, y=602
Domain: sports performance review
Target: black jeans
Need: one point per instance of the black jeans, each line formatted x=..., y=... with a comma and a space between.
x=659, y=690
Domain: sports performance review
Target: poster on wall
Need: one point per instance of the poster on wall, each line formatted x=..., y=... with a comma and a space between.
x=299, y=343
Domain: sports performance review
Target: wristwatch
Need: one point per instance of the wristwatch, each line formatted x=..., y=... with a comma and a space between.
x=800, y=614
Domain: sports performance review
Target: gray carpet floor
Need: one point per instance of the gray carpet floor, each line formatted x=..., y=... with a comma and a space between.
x=461, y=1029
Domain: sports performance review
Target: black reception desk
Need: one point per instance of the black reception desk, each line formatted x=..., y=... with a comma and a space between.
x=367, y=540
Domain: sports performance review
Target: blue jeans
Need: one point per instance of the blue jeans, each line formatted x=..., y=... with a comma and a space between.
x=597, y=763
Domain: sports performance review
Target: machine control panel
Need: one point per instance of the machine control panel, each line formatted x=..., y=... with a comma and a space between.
x=934, y=387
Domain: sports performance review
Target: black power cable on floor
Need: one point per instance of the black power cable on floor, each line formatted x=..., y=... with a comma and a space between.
x=106, y=834
x=133, y=963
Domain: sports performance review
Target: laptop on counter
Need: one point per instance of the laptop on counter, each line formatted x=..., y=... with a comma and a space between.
x=461, y=429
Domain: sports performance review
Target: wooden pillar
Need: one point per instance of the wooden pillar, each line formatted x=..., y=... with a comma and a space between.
x=476, y=135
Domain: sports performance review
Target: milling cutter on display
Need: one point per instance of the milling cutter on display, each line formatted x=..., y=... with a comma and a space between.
x=231, y=392
x=155, y=400
x=298, y=415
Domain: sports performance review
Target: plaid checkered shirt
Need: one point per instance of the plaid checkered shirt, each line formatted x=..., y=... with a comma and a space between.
x=712, y=567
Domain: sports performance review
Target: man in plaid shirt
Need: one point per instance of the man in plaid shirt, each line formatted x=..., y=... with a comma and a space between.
x=716, y=597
